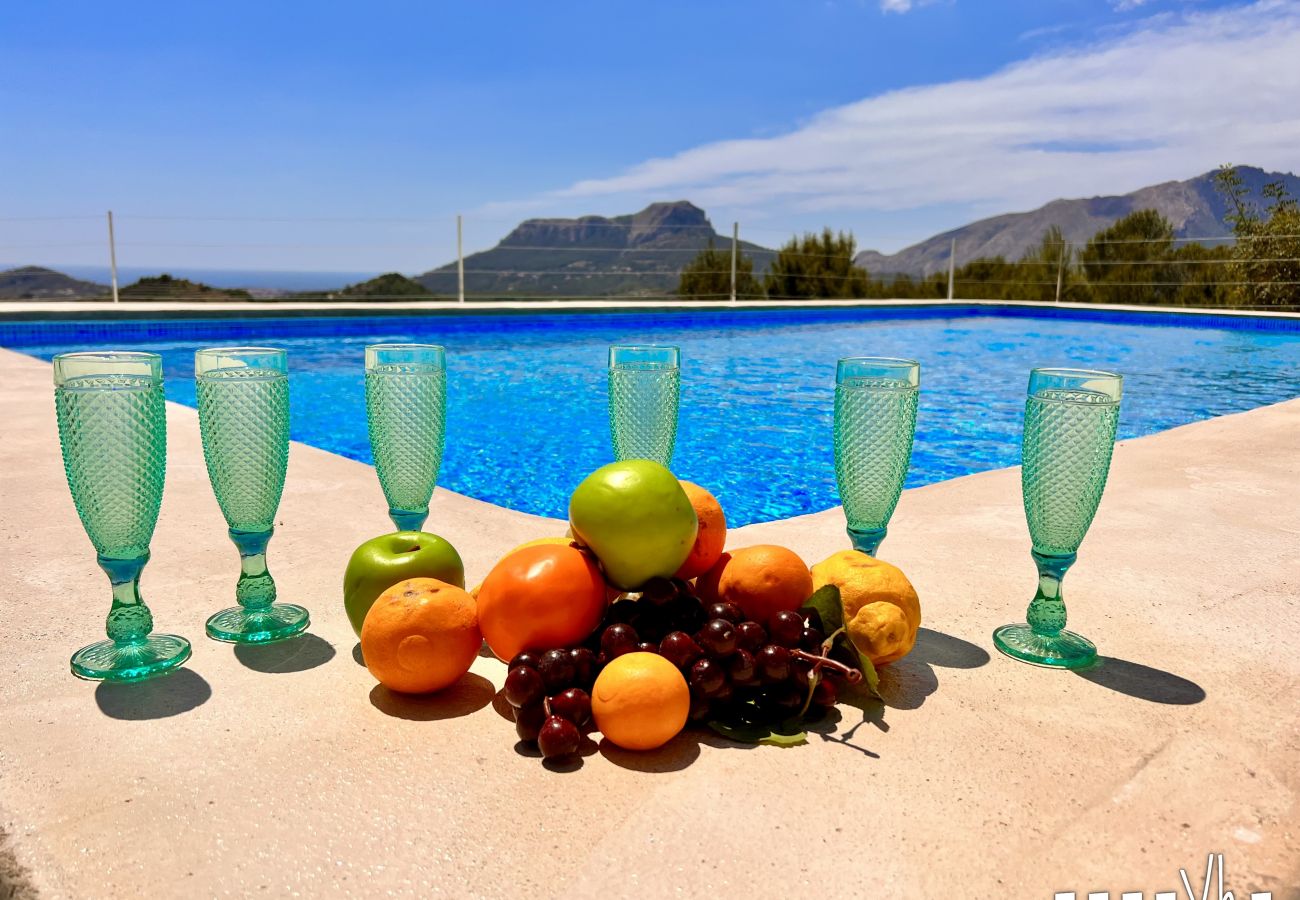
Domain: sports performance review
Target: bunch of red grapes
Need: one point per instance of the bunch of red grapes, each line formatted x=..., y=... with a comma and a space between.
x=738, y=670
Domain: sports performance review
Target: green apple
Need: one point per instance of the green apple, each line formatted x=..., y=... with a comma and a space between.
x=382, y=562
x=636, y=518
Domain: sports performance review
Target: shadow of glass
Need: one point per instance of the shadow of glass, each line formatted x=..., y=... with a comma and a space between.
x=1142, y=682
x=470, y=694
x=298, y=654
x=939, y=649
x=157, y=698
x=673, y=756
x=356, y=655
x=906, y=683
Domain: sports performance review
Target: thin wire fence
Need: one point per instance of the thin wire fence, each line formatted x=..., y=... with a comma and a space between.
x=632, y=272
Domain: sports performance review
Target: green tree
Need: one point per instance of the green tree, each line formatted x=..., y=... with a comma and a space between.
x=1037, y=272
x=708, y=276
x=984, y=278
x=1129, y=262
x=1265, y=260
x=1202, y=272
x=817, y=266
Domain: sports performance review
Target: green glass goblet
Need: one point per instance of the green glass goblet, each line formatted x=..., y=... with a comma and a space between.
x=644, y=388
x=1070, y=420
x=243, y=395
x=875, y=421
x=406, y=411
x=113, y=433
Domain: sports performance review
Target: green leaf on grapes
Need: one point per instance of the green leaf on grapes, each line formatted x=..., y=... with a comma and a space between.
x=870, y=677
x=847, y=650
x=780, y=739
x=787, y=734
x=826, y=600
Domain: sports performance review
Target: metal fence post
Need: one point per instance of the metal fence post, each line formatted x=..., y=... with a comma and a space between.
x=460, y=262
x=1060, y=270
x=952, y=267
x=735, y=246
x=112, y=255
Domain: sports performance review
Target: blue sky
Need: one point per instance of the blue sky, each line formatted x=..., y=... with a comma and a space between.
x=364, y=128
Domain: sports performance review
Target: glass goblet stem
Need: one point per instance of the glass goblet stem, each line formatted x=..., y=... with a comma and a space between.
x=255, y=590
x=1046, y=614
x=408, y=519
x=867, y=540
x=129, y=620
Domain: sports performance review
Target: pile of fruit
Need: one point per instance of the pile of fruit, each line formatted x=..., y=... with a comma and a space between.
x=637, y=623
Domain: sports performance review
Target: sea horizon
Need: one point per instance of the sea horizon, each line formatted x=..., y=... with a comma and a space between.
x=248, y=279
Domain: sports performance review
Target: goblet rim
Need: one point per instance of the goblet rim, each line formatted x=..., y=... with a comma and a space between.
x=242, y=351
x=894, y=369
x=108, y=355
x=1094, y=382
x=674, y=349
x=106, y=363
x=259, y=362
x=881, y=359
x=423, y=358
x=1067, y=371
x=406, y=347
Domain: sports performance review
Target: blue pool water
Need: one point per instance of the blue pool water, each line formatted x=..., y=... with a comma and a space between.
x=527, y=414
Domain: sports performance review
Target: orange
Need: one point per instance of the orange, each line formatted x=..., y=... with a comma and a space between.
x=881, y=609
x=611, y=593
x=640, y=701
x=761, y=580
x=539, y=598
x=711, y=536
x=421, y=635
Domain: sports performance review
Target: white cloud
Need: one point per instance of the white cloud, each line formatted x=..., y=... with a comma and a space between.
x=1126, y=5
x=1174, y=97
x=902, y=6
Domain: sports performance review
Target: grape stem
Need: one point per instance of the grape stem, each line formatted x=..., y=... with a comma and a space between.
x=821, y=661
x=851, y=675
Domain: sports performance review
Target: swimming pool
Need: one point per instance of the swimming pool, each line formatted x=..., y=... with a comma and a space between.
x=526, y=393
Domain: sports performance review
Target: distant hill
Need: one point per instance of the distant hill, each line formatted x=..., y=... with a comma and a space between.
x=165, y=287
x=37, y=283
x=1194, y=207
x=382, y=287
x=638, y=254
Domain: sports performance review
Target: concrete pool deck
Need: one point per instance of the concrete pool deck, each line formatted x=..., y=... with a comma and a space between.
x=285, y=770
x=20, y=310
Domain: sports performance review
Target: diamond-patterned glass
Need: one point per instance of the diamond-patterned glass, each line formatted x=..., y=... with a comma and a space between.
x=644, y=392
x=875, y=420
x=112, y=429
x=244, y=420
x=1069, y=437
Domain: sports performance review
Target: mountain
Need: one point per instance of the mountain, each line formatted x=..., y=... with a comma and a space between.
x=638, y=254
x=165, y=287
x=390, y=286
x=1194, y=207
x=37, y=283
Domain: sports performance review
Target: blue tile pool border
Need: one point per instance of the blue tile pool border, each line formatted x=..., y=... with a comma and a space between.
x=18, y=330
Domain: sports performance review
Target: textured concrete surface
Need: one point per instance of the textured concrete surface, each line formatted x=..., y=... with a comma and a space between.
x=284, y=770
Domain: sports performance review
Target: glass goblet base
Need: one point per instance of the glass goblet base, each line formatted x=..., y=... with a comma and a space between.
x=1065, y=650
x=156, y=655
x=276, y=622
